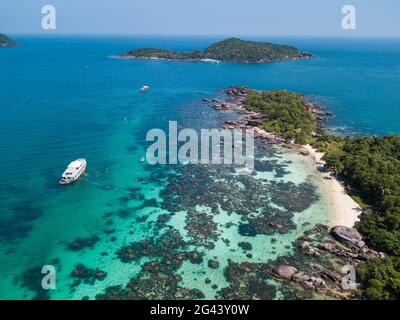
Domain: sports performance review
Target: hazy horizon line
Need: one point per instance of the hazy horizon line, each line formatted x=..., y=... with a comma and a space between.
x=348, y=36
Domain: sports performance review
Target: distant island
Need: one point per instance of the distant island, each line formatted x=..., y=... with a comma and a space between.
x=7, y=41
x=229, y=50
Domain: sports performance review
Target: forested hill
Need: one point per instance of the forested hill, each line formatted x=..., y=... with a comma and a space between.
x=6, y=41
x=230, y=50
x=237, y=50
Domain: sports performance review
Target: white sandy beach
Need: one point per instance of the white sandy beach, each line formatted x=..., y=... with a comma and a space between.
x=345, y=209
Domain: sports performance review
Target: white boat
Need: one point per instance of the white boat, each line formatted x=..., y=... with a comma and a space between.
x=74, y=171
x=210, y=60
x=144, y=89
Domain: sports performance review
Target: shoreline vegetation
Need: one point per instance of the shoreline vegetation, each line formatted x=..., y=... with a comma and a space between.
x=365, y=168
x=228, y=50
x=282, y=117
x=6, y=41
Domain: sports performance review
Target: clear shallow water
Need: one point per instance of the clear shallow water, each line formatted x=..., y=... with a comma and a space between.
x=64, y=98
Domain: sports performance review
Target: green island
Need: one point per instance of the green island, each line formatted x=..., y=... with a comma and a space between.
x=7, y=41
x=285, y=114
x=229, y=50
x=370, y=169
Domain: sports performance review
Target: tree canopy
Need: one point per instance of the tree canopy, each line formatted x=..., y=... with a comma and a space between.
x=370, y=167
x=231, y=50
x=238, y=50
x=380, y=279
x=6, y=41
x=285, y=114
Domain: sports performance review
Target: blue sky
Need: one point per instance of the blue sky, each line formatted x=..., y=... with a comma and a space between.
x=375, y=18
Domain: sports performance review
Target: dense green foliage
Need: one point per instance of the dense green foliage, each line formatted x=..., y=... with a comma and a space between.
x=164, y=54
x=233, y=50
x=6, y=41
x=285, y=114
x=380, y=279
x=238, y=50
x=370, y=167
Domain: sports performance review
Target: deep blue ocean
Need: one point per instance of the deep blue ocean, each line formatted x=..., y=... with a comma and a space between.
x=63, y=98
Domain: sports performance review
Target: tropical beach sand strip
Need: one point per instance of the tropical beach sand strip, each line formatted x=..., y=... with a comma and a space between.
x=346, y=209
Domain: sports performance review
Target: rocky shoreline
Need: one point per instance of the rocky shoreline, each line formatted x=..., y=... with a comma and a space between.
x=252, y=120
x=329, y=258
x=129, y=57
x=302, y=56
x=325, y=254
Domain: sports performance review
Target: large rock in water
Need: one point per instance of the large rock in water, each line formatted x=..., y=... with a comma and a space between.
x=347, y=235
x=285, y=271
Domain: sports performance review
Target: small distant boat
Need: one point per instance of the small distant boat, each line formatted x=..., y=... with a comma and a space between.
x=73, y=172
x=210, y=60
x=141, y=159
x=144, y=89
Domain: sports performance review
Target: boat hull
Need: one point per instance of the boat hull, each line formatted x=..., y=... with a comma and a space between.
x=79, y=174
x=144, y=89
x=63, y=182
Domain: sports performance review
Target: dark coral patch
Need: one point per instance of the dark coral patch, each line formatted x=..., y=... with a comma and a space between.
x=82, y=243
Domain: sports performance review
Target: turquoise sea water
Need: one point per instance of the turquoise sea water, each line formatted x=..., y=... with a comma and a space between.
x=64, y=98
